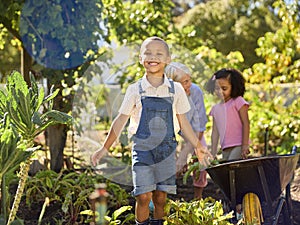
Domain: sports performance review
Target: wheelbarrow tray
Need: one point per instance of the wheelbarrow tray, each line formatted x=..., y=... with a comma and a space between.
x=265, y=176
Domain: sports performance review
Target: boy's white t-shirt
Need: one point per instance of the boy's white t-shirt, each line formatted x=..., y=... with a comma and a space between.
x=132, y=105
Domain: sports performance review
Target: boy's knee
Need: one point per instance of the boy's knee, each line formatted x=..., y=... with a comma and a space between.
x=144, y=198
x=159, y=199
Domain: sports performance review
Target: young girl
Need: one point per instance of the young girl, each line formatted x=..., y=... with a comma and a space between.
x=230, y=116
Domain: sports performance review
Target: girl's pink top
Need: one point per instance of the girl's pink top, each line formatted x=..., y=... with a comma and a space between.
x=228, y=121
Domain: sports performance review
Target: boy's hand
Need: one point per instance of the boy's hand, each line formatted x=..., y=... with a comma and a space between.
x=97, y=155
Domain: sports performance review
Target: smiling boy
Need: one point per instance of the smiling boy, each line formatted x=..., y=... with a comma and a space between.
x=153, y=104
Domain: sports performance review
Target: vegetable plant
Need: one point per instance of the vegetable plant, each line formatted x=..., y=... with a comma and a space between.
x=202, y=212
x=70, y=191
x=25, y=112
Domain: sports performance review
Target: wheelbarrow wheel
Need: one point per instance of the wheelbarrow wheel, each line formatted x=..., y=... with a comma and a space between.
x=252, y=211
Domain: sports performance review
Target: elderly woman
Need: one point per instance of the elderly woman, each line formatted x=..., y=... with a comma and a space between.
x=197, y=117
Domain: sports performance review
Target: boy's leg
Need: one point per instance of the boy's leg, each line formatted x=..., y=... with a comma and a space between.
x=142, y=207
x=159, y=200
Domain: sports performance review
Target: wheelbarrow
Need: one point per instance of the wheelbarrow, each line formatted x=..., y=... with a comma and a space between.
x=268, y=177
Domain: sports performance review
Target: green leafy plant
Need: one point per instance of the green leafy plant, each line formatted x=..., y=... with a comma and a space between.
x=194, y=167
x=12, y=153
x=27, y=112
x=70, y=190
x=270, y=105
x=201, y=212
x=115, y=219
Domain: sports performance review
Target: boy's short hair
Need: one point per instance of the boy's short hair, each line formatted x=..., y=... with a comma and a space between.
x=155, y=38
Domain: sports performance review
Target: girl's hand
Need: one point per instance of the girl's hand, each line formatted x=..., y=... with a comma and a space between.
x=245, y=151
x=97, y=155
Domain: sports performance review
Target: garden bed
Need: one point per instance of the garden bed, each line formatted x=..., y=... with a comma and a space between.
x=185, y=192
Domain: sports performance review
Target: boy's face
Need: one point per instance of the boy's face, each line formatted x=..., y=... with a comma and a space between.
x=154, y=56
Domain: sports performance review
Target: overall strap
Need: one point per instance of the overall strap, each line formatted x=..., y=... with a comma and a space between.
x=141, y=91
x=171, y=89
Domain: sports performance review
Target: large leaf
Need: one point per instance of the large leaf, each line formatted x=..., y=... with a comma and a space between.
x=2, y=103
x=12, y=151
x=16, y=81
x=57, y=116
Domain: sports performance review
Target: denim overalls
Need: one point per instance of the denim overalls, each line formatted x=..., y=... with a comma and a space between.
x=154, y=144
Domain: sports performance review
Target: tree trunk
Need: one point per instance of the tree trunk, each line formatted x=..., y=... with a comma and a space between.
x=57, y=136
x=25, y=64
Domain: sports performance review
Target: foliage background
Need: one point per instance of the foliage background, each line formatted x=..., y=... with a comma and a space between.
x=261, y=38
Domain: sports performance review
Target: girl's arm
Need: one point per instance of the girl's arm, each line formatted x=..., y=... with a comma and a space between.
x=114, y=132
x=189, y=134
x=214, y=139
x=243, y=112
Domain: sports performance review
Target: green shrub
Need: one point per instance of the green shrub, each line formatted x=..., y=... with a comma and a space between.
x=202, y=212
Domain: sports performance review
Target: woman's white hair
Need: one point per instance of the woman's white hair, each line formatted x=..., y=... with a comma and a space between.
x=176, y=71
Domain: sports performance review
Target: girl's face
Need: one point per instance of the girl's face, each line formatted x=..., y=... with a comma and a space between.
x=154, y=56
x=186, y=83
x=223, y=89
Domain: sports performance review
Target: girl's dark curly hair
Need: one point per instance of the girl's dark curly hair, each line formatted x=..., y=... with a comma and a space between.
x=235, y=78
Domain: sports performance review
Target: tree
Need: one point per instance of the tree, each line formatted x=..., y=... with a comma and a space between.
x=9, y=52
x=276, y=107
x=53, y=33
x=237, y=23
x=279, y=49
x=57, y=39
x=9, y=20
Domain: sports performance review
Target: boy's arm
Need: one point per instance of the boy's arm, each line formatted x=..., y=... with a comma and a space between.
x=189, y=134
x=214, y=139
x=114, y=132
x=243, y=112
